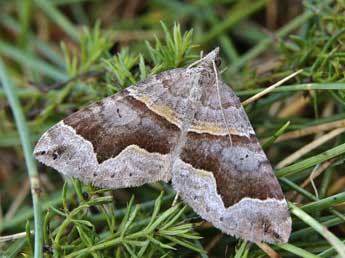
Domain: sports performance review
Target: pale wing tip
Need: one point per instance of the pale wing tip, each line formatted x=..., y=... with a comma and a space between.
x=258, y=220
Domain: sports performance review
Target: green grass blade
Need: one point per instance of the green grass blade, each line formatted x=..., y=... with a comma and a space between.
x=58, y=18
x=265, y=43
x=297, y=251
x=322, y=230
x=307, y=163
x=27, y=149
x=235, y=15
x=24, y=58
x=324, y=203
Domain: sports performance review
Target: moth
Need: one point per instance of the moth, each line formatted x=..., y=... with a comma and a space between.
x=184, y=126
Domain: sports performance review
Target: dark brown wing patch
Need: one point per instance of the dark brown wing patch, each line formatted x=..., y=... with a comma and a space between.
x=119, y=121
x=241, y=170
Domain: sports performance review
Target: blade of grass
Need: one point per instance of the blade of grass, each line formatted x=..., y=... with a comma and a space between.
x=322, y=230
x=24, y=15
x=296, y=87
x=275, y=136
x=14, y=249
x=43, y=47
x=242, y=251
x=235, y=15
x=324, y=203
x=225, y=40
x=307, y=163
x=58, y=18
x=265, y=43
x=27, y=149
x=300, y=252
x=31, y=61
x=297, y=188
x=309, y=147
x=24, y=93
x=307, y=232
x=328, y=252
x=270, y=88
x=312, y=130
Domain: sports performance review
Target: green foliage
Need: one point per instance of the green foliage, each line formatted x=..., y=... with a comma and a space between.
x=71, y=231
x=92, y=46
x=174, y=53
x=320, y=50
x=58, y=68
x=121, y=65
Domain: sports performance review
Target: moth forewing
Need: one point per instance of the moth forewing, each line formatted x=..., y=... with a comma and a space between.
x=176, y=126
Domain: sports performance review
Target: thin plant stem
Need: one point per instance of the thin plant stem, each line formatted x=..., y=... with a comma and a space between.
x=27, y=149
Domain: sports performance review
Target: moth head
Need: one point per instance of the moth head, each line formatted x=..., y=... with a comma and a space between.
x=210, y=58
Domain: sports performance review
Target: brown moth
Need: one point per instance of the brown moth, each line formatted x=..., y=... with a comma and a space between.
x=175, y=126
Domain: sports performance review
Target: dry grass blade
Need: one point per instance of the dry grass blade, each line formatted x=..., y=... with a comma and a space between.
x=311, y=130
x=337, y=186
x=270, y=88
x=309, y=147
x=13, y=237
x=268, y=250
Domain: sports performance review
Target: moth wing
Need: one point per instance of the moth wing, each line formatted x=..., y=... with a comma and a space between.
x=118, y=142
x=232, y=185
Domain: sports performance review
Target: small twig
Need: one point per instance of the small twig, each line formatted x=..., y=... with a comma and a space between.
x=270, y=88
x=309, y=147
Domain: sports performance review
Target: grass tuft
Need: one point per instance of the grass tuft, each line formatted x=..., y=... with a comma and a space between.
x=57, y=56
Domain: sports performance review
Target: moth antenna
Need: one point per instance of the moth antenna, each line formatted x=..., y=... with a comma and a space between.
x=220, y=101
